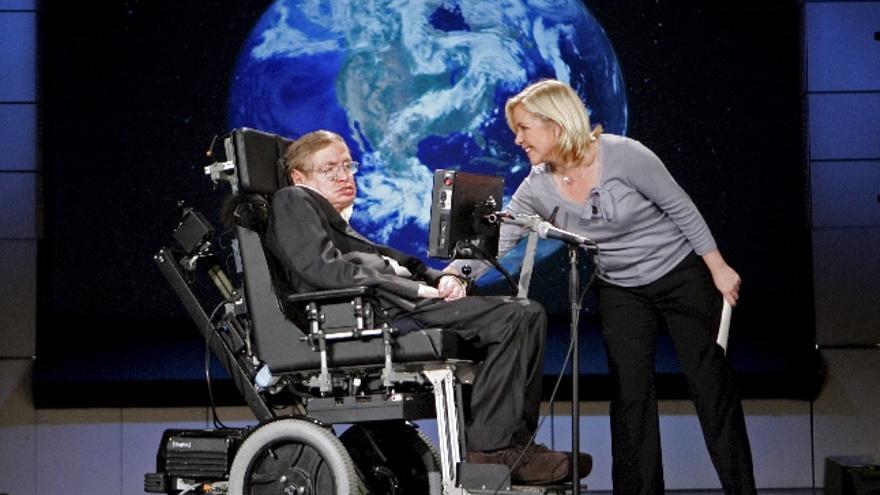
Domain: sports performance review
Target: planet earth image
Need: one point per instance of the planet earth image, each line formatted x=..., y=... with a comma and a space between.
x=419, y=85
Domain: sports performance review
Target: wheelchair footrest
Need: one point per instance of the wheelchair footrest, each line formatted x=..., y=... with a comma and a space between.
x=372, y=407
x=490, y=477
x=494, y=479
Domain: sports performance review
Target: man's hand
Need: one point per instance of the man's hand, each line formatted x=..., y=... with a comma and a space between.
x=451, y=288
x=428, y=292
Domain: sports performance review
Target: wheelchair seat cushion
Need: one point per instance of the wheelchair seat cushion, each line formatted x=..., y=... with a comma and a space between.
x=424, y=345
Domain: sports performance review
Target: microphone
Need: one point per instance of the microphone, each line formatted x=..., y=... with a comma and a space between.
x=547, y=231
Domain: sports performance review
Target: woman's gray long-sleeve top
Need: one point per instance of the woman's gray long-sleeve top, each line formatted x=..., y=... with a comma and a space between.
x=642, y=220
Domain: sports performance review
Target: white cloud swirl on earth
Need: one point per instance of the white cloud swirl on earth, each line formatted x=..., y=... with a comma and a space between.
x=548, y=40
x=390, y=198
x=282, y=40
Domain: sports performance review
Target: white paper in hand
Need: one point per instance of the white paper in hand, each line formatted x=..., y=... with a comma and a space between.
x=724, y=327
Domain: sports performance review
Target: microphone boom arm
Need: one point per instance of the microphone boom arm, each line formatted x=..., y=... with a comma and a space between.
x=545, y=229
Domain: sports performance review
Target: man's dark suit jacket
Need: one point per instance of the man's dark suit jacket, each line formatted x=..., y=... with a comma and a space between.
x=319, y=250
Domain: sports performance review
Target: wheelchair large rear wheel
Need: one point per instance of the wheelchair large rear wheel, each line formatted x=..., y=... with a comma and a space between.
x=292, y=456
x=394, y=458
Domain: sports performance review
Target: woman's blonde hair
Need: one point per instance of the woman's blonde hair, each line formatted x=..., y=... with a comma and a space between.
x=555, y=101
x=299, y=152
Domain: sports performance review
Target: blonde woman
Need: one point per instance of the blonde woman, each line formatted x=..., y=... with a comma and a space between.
x=658, y=265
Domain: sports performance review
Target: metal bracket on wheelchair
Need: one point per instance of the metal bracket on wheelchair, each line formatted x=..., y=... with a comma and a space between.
x=318, y=341
x=448, y=421
x=361, y=314
x=390, y=376
x=223, y=171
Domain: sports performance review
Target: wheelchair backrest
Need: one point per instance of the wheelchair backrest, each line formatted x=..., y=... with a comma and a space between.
x=258, y=158
x=278, y=341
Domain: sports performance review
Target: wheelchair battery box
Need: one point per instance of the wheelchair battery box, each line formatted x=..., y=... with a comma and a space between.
x=372, y=407
x=199, y=455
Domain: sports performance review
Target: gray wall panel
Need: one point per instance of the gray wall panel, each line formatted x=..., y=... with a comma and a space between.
x=18, y=445
x=845, y=421
x=17, y=205
x=842, y=54
x=18, y=136
x=845, y=194
x=846, y=274
x=79, y=451
x=18, y=56
x=18, y=294
x=844, y=126
x=18, y=4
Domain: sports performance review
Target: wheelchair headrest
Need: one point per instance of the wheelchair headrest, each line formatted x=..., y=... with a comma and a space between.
x=259, y=160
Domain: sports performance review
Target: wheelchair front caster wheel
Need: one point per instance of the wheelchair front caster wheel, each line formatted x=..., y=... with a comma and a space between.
x=292, y=457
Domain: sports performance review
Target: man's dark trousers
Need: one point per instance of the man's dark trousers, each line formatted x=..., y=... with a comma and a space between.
x=506, y=394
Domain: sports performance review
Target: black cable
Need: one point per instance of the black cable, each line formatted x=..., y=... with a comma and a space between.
x=512, y=283
x=593, y=275
x=492, y=260
x=482, y=255
x=209, y=335
x=568, y=355
x=543, y=417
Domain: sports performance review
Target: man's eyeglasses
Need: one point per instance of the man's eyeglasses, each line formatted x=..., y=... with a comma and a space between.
x=331, y=171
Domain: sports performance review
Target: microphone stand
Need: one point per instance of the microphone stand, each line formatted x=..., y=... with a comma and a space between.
x=575, y=371
x=533, y=223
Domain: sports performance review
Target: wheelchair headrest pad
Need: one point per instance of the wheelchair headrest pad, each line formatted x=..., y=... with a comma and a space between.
x=259, y=160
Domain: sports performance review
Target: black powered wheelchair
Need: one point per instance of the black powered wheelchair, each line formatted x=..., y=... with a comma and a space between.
x=306, y=362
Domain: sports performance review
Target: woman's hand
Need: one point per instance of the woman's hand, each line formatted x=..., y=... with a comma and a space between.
x=451, y=288
x=727, y=281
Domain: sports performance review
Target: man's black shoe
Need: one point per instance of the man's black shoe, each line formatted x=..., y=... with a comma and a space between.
x=584, y=462
x=530, y=465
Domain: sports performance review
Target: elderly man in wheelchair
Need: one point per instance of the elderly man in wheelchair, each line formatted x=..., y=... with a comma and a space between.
x=340, y=330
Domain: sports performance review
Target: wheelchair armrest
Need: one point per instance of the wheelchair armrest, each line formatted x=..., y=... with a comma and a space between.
x=362, y=291
x=323, y=295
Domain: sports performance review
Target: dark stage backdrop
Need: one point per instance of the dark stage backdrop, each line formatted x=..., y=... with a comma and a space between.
x=132, y=93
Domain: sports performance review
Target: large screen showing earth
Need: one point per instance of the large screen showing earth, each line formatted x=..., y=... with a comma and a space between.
x=133, y=93
x=418, y=86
